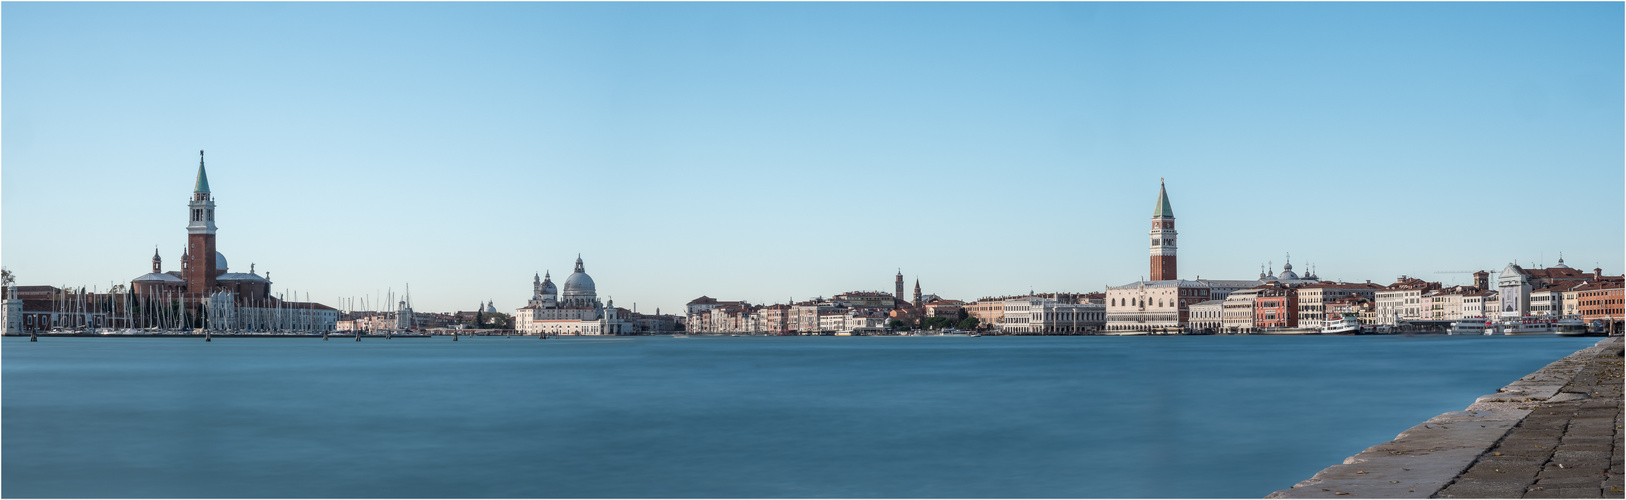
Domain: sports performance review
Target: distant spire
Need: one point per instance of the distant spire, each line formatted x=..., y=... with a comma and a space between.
x=203, y=177
x=579, y=268
x=1163, y=209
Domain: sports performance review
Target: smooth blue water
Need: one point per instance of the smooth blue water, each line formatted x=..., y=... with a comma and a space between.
x=722, y=416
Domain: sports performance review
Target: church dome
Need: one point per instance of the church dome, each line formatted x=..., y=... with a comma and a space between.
x=579, y=287
x=220, y=262
x=579, y=282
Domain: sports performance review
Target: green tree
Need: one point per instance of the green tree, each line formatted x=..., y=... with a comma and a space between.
x=969, y=323
x=898, y=325
x=936, y=323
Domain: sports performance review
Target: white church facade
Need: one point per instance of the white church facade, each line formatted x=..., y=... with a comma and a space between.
x=577, y=312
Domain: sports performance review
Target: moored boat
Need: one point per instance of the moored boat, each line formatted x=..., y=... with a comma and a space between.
x=1468, y=326
x=1346, y=324
x=1529, y=325
x=1571, y=327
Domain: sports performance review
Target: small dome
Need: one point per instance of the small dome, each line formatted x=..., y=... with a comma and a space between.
x=1288, y=274
x=220, y=262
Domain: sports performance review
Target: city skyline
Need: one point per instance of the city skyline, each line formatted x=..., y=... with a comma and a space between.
x=767, y=152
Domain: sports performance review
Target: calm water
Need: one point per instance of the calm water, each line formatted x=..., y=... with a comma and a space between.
x=723, y=417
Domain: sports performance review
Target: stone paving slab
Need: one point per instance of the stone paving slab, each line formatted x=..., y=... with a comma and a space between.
x=1555, y=433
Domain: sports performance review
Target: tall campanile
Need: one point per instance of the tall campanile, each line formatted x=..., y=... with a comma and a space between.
x=200, y=236
x=1163, y=267
x=897, y=282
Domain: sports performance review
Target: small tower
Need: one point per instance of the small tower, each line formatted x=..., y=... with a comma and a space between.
x=1482, y=280
x=897, y=282
x=1163, y=263
x=200, y=240
x=917, y=293
x=157, y=262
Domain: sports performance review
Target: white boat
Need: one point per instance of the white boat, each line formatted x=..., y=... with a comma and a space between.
x=1529, y=325
x=1570, y=327
x=1125, y=333
x=1469, y=326
x=1346, y=324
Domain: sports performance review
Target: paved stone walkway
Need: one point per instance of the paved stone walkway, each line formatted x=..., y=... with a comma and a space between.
x=1555, y=433
x=1568, y=447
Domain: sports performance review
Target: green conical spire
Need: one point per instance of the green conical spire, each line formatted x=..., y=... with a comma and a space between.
x=1163, y=208
x=203, y=177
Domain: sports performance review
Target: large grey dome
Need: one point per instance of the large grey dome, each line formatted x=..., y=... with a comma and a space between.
x=579, y=288
x=579, y=282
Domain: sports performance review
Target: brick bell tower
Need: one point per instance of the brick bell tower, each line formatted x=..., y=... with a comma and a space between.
x=1163, y=266
x=200, y=237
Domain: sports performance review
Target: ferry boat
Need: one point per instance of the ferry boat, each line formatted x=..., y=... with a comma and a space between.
x=1469, y=326
x=1529, y=325
x=1571, y=327
x=1346, y=324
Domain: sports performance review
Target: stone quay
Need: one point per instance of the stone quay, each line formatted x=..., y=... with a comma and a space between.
x=1555, y=433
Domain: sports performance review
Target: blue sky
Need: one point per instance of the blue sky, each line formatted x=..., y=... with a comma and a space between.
x=768, y=151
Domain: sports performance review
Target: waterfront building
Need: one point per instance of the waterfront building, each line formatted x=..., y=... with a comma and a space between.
x=1037, y=315
x=808, y=313
x=1219, y=289
x=1402, y=300
x=1362, y=307
x=1548, y=300
x=1152, y=305
x=1514, y=285
x=989, y=311
x=577, y=311
x=773, y=319
x=1480, y=304
x=866, y=299
x=701, y=304
x=1453, y=303
x=655, y=323
x=943, y=308
x=865, y=322
x=38, y=308
x=1314, y=297
x=13, y=311
x=1237, y=315
x=1276, y=306
x=1603, y=300
x=1571, y=296
x=1206, y=315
